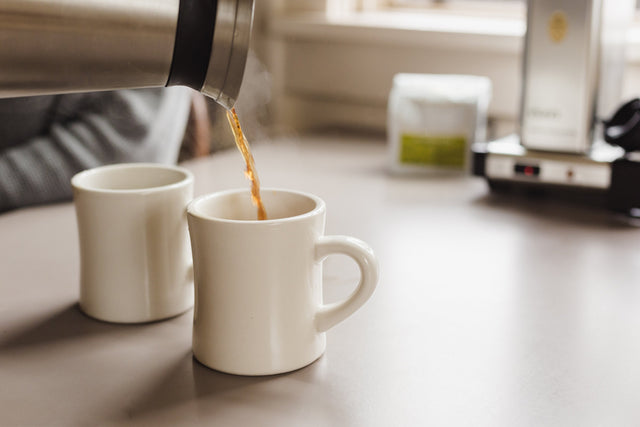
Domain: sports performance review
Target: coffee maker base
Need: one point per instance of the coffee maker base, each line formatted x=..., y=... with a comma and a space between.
x=606, y=176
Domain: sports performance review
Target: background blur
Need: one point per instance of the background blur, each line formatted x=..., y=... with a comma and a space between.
x=329, y=63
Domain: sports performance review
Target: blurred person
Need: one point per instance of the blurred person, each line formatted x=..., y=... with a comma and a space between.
x=45, y=140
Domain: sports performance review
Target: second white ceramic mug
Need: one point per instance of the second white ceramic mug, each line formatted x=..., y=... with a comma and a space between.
x=135, y=258
x=258, y=301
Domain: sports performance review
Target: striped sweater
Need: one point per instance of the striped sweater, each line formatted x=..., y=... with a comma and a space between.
x=45, y=140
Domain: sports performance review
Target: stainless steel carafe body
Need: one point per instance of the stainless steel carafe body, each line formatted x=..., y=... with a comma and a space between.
x=61, y=46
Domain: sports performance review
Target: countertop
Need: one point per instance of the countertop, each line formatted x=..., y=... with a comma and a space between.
x=491, y=310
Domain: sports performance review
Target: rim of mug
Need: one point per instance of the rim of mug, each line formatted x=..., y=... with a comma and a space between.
x=76, y=180
x=191, y=206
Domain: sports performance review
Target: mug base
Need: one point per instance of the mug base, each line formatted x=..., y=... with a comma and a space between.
x=258, y=373
x=131, y=320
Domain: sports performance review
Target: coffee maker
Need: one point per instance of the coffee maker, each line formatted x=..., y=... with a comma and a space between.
x=573, y=65
x=61, y=46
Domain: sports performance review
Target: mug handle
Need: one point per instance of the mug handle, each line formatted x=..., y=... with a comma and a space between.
x=328, y=315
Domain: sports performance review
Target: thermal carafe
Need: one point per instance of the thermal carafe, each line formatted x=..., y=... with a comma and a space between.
x=61, y=46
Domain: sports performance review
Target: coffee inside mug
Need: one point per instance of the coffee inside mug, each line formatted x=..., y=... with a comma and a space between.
x=129, y=177
x=236, y=205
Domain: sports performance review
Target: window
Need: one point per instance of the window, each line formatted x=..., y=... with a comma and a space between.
x=420, y=3
x=480, y=8
x=469, y=3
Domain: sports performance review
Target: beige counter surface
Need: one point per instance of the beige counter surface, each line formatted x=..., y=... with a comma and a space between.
x=490, y=311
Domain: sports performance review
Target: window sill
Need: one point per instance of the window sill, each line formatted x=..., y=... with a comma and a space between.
x=408, y=29
x=447, y=30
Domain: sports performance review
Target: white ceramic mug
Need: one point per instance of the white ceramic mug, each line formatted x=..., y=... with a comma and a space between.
x=135, y=258
x=258, y=307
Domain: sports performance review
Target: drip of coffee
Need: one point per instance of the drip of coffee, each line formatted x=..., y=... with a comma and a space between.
x=251, y=174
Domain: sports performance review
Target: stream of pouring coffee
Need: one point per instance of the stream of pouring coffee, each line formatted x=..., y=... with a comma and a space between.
x=251, y=174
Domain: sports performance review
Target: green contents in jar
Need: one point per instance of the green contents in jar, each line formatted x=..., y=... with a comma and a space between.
x=433, y=150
